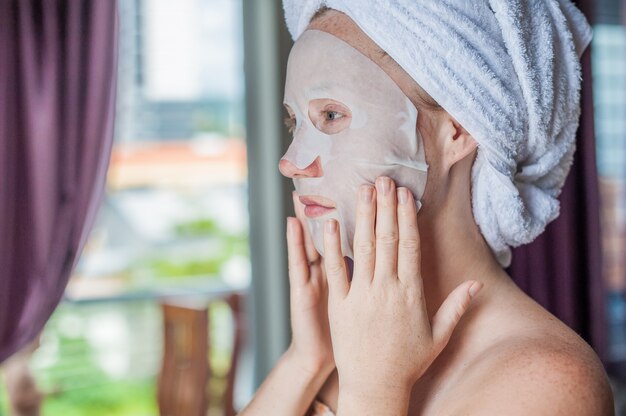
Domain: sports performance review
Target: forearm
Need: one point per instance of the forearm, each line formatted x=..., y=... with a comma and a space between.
x=363, y=401
x=288, y=390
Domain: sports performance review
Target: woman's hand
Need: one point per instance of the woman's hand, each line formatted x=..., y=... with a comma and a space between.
x=382, y=338
x=298, y=376
x=310, y=345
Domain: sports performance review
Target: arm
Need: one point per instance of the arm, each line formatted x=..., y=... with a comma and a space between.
x=288, y=390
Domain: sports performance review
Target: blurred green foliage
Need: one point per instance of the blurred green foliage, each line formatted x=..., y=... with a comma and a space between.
x=168, y=269
x=119, y=398
x=199, y=227
x=75, y=385
x=228, y=244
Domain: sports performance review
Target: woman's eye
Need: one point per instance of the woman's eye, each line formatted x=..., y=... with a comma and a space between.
x=329, y=116
x=291, y=124
x=332, y=115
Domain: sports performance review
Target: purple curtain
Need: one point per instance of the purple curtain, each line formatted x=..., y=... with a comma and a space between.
x=58, y=61
x=562, y=269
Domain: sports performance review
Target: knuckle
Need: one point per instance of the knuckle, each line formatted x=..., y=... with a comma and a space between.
x=408, y=244
x=387, y=238
x=334, y=268
x=365, y=247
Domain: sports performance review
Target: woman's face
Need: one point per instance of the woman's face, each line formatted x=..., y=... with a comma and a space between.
x=351, y=124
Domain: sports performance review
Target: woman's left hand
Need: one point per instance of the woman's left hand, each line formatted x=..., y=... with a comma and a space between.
x=382, y=338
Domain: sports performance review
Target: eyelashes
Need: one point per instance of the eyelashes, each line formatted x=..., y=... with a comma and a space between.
x=331, y=115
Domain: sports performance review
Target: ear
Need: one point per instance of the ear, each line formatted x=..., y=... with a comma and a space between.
x=458, y=144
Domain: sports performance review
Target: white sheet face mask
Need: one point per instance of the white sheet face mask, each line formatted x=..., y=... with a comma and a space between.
x=353, y=117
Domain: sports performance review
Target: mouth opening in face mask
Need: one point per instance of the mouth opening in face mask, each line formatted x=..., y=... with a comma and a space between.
x=317, y=205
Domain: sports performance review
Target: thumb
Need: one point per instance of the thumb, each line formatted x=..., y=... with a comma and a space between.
x=451, y=311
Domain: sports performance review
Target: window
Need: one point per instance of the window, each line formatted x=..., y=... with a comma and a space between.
x=174, y=221
x=609, y=83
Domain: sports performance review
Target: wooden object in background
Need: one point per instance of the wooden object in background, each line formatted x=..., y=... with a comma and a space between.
x=235, y=301
x=185, y=369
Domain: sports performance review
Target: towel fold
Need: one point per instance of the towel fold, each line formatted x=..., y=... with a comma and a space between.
x=509, y=73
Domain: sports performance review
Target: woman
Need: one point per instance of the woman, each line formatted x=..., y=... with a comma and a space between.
x=428, y=322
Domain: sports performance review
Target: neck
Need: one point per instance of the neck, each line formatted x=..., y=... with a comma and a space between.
x=453, y=251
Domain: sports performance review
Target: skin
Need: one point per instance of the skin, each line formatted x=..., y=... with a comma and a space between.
x=505, y=353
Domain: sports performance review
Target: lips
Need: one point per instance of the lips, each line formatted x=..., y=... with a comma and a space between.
x=316, y=206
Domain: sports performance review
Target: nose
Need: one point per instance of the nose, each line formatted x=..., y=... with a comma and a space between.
x=314, y=170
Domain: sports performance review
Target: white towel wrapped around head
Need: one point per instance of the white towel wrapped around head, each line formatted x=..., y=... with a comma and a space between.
x=509, y=72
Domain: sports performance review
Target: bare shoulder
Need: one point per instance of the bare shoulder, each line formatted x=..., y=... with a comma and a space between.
x=553, y=372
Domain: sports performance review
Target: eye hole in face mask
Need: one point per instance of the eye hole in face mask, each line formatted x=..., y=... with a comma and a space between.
x=290, y=120
x=290, y=123
x=329, y=116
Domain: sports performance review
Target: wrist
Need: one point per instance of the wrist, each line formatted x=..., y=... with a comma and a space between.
x=314, y=368
x=373, y=398
x=375, y=390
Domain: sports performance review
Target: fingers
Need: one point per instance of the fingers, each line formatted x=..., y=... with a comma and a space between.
x=297, y=260
x=451, y=311
x=364, y=245
x=334, y=264
x=386, y=229
x=409, y=253
x=311, y=253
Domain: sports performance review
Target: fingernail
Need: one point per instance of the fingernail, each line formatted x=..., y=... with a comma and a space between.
x=366, y=193
x=475, y=288
x=403, y=195
x=383, y=185
x=331, y=226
